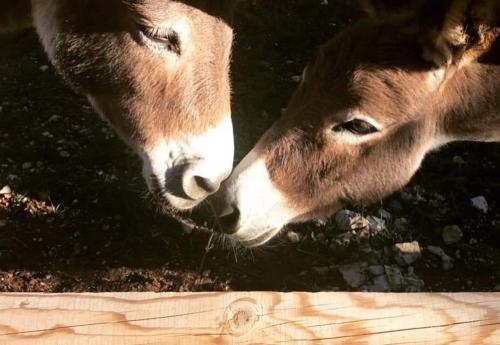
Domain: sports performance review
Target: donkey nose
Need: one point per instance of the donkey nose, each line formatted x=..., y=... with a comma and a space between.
x=206, y=184
x=198, y=187
x=228, y=223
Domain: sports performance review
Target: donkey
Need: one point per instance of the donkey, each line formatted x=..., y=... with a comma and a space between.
x=157, y=71
x=376, y=98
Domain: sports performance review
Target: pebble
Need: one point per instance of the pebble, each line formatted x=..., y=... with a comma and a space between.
x=365, y=248
x=497, y=288
x=350, y=221
x=376, y=224
x=452, y=234
x=3, y=223
x=324, y=2
x=354, y=274
x=344, y=239
x=446, y=261
x=406, y=196
x=379, y=284
x=376, y=270
x=322, y=270
x=296, y=78
x=407, y=253
x=396, y=206
x=394, y=277
x=44, y=68
x=320, y=238
x=54, y=118
x=293, y=237
x=27, y=165
x=5, y=190
x=480, y=203
x=64, y=154
x=413, y=282
x=401, y=224
x=458, y=160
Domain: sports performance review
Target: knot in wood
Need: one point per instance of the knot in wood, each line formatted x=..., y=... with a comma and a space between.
x=241, y=316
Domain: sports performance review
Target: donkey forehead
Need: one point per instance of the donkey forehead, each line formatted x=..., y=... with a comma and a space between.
x=158, y=12
x=384, y=84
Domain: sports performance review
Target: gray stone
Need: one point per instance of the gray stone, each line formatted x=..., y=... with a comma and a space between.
x=394, y=277
x=446, y=261
x=343, y=240
x=480, y=203
x=458, y=160
x=64, y=154
x=376, y=224
x=412, y=282
x=320, y=238
x=27, y=165
x=436, y=250
x=363, y=233
x=293, y=237
x=407, y=253
x=3, y=223
x=350, y=221
x=376, y=270
x=406, y=196
x=5, y=190
x=365, y=248
x=401, y=224
x=452, y=234
x=321, y=270
x=379, y=284
x=44, y=68
x=354, y=274
x=497, y=288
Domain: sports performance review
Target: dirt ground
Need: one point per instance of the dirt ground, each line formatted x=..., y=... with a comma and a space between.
x=78, y=219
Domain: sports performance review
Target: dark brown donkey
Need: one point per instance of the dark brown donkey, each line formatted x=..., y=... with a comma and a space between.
x=373, y=102
x=157, y=70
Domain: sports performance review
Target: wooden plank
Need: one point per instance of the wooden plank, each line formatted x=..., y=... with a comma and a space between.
x=250, y=318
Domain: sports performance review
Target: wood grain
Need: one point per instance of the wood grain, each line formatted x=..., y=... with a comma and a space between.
x=250, y=318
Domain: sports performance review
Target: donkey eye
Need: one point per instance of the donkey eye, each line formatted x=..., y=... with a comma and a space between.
x=356, y=126
x=166, y=39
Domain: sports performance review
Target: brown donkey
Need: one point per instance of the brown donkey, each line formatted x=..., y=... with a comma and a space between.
x=373, y=102
x=157, y=71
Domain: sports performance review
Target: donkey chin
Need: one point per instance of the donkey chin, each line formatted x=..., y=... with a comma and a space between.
x=184, y=172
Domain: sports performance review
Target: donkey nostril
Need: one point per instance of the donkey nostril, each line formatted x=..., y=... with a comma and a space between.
x=228, y=223
x=206, y=184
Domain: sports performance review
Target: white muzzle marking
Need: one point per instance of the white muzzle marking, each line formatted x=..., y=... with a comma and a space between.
x=209, y=155
x=263, y=208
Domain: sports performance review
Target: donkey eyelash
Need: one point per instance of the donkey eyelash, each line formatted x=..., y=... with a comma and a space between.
x=163, y=36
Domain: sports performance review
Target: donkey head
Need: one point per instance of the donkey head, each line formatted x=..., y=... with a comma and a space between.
x=370, y=105
x=158, y=71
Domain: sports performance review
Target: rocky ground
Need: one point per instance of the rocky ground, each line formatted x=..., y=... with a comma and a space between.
x=74, y=215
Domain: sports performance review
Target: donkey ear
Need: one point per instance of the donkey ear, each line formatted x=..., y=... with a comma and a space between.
x=458, y=31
